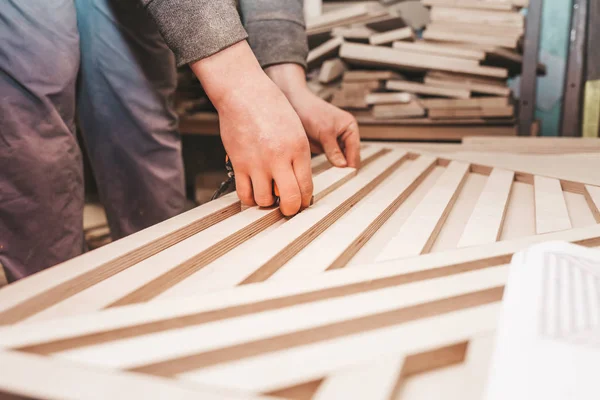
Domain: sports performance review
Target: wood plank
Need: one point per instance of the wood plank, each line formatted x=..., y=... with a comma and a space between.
x=412, y=337
x=420, y=230
x=386, y=111
x=456, y=15
x=414, y=87
x=476, y=102
x=471, y=4
x=487, y=219
x=357, y=33
x=388, y=98
x=34, y=376
x=375, y=380
x=328, y=49
x=361, y=76
x=592, y=196
x=405, y=33
x=453, y=36
x=177, y=351
x=77, y=331
x=439, y=49
x=386, y=57
x=240, y=267
x=337, y=16
x=474, y=87
x=450, y=113
x=345, y=238
x=532, y=145
x=172, y=265
x=331, y=70
x=476, y=29
x=551, y=213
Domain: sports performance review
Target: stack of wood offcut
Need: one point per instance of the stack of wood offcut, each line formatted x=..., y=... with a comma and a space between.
x=366, y=59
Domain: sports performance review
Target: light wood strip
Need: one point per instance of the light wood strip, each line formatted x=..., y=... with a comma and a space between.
x=173, y=265
x=265, y=373
x=337, y=16
x=472, y=86
x=471, y=4
x=456, y=15
x=592, y=195
x=325, y=50
x=477, y=102
x=84, y=330
x=33, y=294
x=240, y=267
x=375, y=380
x=519, y=221
x=343, y=239
x=551, y=212
x=439, y=49
x=580, y=213
x=405, y=33
x=369, y=252
x=485, y=224
x=420, y=230
x=331, y=70
x=453, y=36
x=414, y=87
x=388, y=98
x=177, y=351
x=39, y=377
x=394, y=58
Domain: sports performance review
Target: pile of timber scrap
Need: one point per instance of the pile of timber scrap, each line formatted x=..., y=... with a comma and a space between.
x=365, y=59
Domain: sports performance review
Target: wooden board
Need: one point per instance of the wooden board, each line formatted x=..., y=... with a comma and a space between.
x=408, y=110
x=361, y=76
x=477, y=102
x=453, y=36
x=508, y=19
x=414, y=87
x=475, y=112
x=393, y=58
x=471, y=4
x=278, y=313
x=405, y=33
x=439, y=49
x=331, y=70
x=388, y=98
x=471, y=86
x=324, y=51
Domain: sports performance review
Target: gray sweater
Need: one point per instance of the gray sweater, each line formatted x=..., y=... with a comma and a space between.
x=196, y=29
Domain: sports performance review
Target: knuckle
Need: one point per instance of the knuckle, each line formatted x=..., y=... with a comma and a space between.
x=264, y=200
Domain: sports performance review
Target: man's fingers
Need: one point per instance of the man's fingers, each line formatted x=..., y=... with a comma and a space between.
x=290, y=198
x=243, y=186
x=351, y=140
x=333, y=151
x=263, y=189
x=303, y=173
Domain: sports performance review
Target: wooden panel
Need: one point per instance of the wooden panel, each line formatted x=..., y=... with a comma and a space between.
x=439, y=49
x=551, y=213
x=375, y=380
x=485, y=224
x=580, y=213
x=360, y=76
x=381, y=56
x=519, y=221
x=340, y=15
x=345, y=238
x=405, y=33
x=414, y=87
x=33, y=376
x=418, y=233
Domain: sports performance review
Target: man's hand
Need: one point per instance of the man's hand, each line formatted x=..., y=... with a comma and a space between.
x=329, y=129
x=261, y=132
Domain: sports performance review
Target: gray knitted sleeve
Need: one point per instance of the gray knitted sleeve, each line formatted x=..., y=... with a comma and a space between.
x=196, y=29
x=276, y=30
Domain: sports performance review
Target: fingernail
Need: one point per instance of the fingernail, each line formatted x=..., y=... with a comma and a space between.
x=339, y=161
